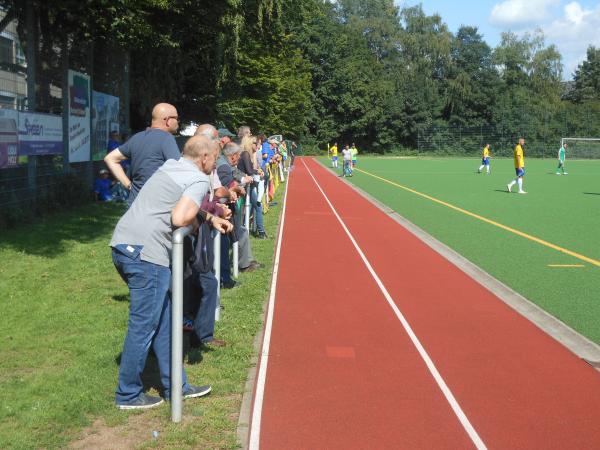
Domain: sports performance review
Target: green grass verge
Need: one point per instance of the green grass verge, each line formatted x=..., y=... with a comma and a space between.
x=64, y=316
x=563, y=210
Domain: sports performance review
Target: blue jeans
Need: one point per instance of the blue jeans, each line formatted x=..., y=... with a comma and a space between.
x=256, y=209
x=149, y=323
x=204, y=325
x=225, y=260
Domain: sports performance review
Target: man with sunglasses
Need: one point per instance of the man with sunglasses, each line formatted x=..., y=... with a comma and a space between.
x=147, y=150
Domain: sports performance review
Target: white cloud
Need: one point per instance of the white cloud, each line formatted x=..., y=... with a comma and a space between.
x=515, y=13
x=572, y=33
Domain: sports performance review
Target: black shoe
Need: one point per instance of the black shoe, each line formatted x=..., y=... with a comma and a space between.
x=142, y=402
x=229, y=284
x=261, y=235
x=251, y=267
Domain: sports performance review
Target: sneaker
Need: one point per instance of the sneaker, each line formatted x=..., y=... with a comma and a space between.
x=557, y=173
x=261, y=235
x=142, y=402
x=565, y=173
x=508, y=187
x=522, y=192
x=196, y=391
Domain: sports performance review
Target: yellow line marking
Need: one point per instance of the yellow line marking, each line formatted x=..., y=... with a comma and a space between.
x=566, y=265
x=486, y=220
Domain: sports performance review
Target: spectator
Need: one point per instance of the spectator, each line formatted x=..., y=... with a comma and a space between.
x=225, y=169
x=225, y=136
x=243, y=131
x=141, y=250
x=114, y=140
x=249, y=147
x=102, y=187
x=147, y=150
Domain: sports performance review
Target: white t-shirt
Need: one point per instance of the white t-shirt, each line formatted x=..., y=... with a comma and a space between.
x=347, y=154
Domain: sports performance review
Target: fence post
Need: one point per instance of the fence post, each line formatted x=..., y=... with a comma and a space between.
x=65, y=103
x=31, y=26
x=177, y=323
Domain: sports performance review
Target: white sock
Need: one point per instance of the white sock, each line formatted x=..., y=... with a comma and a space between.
x=487, y=168
x=480, y=167
x=511, y=184
x=520, y=181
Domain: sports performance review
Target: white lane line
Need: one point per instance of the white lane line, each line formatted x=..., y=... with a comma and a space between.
x=428, y=362
x=264, y=357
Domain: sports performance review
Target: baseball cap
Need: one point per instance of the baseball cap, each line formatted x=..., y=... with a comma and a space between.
x=225, y=132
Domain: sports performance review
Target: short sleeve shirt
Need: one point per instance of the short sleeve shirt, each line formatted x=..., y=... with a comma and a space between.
x=147, y=151
x=147, y=222
x=519, y=157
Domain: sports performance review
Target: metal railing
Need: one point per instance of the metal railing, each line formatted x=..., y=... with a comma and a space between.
x=178, y=267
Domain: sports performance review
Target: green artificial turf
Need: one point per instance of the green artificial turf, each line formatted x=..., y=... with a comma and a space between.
x=563, y=210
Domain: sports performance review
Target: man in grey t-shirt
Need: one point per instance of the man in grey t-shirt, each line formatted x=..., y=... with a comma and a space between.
x=147, y=150
x=141, y=251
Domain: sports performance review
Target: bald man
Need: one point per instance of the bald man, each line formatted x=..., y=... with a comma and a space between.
x=147, y=150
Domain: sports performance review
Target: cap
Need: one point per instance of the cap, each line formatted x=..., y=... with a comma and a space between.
x=225, y=132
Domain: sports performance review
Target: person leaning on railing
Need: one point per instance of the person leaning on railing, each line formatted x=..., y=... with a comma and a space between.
x=141, y=250
x=249, y=147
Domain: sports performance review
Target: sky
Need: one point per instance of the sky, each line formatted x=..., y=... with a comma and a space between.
x=570, y=25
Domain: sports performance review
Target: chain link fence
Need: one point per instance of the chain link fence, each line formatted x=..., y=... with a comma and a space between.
x=542, y=140
x=34, y=67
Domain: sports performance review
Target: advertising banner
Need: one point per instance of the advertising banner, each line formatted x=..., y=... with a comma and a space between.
x=105, y=120
x=9, y=138
x=79, y=117
x=40, y=134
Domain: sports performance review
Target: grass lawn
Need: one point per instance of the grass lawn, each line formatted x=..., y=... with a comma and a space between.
x=562, y=210
x=64, y=317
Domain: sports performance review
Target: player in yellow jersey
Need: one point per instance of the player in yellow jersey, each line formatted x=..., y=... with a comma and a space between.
x=485, y=159
x=333, y=152
x=519, y=167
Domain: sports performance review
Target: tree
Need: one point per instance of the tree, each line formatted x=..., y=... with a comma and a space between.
x=587, y=77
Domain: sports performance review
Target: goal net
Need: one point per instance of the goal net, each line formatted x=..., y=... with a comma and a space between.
x=582, y=148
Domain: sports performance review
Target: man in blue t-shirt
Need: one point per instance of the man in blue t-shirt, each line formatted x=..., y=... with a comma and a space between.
x=147, y=150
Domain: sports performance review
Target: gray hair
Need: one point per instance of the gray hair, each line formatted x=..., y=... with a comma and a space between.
x=231, y=149
x=208, y=130
x=244, y=130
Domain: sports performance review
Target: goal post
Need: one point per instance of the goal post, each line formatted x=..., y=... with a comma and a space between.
x=582, y=148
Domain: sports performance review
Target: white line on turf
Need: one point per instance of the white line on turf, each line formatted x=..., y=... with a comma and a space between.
x=413, y=337
x=264, y=357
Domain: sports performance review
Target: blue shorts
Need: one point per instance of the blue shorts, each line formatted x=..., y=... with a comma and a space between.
x=520, y=172
x=334, y=158
x=485, y=161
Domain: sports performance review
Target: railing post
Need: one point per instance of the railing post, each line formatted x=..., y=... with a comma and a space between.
x=236, y=259
x=247, y=208
x=177, y=323
x=217, y=269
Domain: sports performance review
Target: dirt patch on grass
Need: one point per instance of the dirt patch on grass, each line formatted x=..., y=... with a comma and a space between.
x=100, y=436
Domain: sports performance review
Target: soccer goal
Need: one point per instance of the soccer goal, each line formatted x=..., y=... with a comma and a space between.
x=582, y=148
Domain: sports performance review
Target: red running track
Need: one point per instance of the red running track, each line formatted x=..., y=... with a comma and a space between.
x=342, y=371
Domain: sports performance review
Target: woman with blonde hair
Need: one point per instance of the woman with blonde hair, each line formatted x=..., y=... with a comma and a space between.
x=247, y=164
